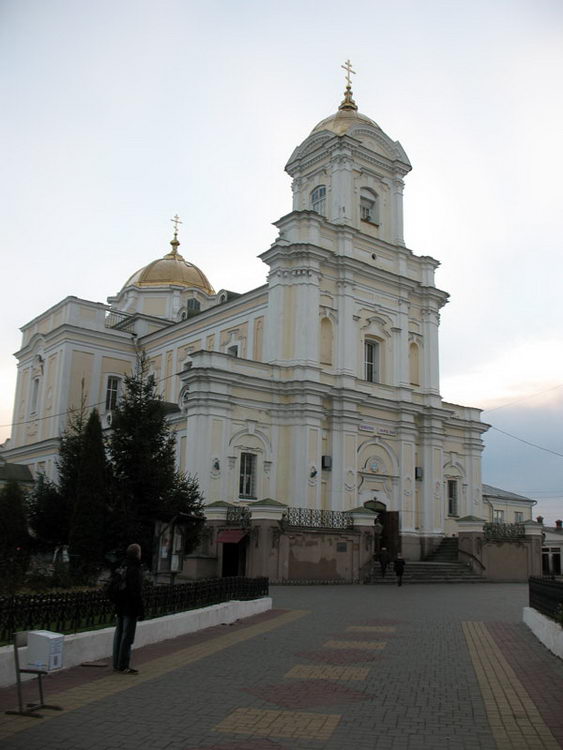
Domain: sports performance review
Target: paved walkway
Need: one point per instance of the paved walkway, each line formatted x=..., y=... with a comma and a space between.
x=335, y=668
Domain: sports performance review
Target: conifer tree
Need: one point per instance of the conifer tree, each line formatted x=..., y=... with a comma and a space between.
x=14, y=537
x=87, y=537
x=48, y=514
x=143, y=458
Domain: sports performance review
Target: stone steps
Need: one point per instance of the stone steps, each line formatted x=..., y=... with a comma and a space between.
x=426, y=572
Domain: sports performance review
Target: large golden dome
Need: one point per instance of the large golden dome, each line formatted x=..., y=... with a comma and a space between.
x=173, y=269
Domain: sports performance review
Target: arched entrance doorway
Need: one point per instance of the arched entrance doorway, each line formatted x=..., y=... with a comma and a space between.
x=389, y=519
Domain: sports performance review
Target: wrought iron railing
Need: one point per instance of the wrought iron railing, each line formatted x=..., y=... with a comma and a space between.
x=88, y=610
x=240, y=516
x=504, y=532
x=120, y=320
x=546, y=595
x=314, y=518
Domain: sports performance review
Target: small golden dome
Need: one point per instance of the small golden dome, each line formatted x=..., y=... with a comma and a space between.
x=171, y=270
x=347, y=116
x=341, y=122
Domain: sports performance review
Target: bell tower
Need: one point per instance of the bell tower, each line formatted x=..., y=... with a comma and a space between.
x=351, y=173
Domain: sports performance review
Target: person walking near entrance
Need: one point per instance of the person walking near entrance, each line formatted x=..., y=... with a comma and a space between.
x=129, y=608
x=399, y=566
x=383, y=560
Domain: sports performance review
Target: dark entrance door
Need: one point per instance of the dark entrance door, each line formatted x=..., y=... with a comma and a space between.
x=390, y=535
x=234, y=558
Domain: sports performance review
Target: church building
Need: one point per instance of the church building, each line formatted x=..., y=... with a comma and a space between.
x=318, y=390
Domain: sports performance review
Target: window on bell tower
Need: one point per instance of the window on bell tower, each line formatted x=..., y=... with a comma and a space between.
x=318, y=200
x=368, y=206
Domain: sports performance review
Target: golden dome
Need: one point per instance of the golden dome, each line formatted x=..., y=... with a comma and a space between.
x=341, y=122
x=172, y=270
x=347, y=117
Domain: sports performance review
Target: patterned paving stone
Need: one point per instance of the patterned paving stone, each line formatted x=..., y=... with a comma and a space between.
x=362, y=645
x=422, y=691
x=371, y=629
x=246, y=745
x=308, y=694
x=343, y=656
x=514, y=718
x=365, y=636
x=308, y=672
x=294, y=724
x=536, y=669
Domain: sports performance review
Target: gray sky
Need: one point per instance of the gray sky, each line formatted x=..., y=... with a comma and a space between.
x=118, y=114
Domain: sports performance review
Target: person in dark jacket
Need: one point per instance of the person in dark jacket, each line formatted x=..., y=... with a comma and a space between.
x=129, y=608
x=383, y=560
x=399, y=566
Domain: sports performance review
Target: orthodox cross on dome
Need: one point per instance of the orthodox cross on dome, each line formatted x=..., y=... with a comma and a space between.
x=348, y=68
x=176, y=221
x=348, y=103
x=174, y=242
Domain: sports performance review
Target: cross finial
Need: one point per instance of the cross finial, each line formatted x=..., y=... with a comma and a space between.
x=176, y=221
x=348, y=102
x=348, y=68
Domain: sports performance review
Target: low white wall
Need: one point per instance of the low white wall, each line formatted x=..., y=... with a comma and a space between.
x=97, y=644
x=547, y=631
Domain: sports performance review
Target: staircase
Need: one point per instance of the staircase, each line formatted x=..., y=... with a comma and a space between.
x=441, y=566
x=426, y=572
x=445, y=552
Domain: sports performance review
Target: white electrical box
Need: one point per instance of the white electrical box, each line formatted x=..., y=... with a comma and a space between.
x=44, y=650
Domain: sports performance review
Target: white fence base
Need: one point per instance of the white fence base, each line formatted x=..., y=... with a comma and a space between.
x=97, y=644
x=547, y=631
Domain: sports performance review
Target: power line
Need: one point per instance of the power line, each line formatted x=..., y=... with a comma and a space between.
x=524, y=398
x=72, y=410
x=527, y=442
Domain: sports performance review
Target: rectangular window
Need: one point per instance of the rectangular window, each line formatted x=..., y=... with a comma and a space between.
x=498, y=516
x=232, y=351
x=112, y=393
x=371, y=361
x=35, y=396
x=518, y=517
x=452, y=497
x=247, y=484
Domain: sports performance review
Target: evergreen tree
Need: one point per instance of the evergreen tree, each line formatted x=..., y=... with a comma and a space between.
x=87, y=538
x=143, y=458
x=70, y=455
x=14, y=537
x=48, y=514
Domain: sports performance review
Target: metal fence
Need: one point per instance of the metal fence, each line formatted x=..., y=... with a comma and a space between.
x=504, y=532
x=87, y=610
x=546, y=595
x=240, y=516
x=313, y=518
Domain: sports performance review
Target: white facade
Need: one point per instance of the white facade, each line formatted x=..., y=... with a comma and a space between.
x=319, y=389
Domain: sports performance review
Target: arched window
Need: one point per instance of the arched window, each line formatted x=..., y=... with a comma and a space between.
x=368, y=206
x=318, y=199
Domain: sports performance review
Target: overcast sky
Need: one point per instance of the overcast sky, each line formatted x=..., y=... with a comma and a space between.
x=118, y=114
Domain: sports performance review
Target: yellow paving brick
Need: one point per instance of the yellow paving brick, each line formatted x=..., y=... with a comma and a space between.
x=371, y=629
x=308, y=672
x=270, y=723
x=114, y=683
x=513, y=717
x=365, y=645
